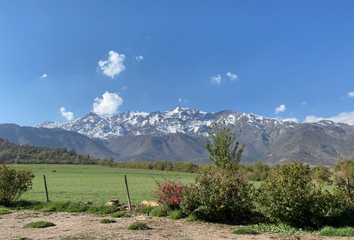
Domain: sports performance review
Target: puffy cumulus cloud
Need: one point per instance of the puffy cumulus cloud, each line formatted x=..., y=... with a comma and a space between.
x=304, y=103
x=44, y=76
x=68, y=115
x=182, y=100
x=114, y=65
x=313, y=118
x=232, y=77
x=350, y=94
x=279, y=109
x=291, y=120
x=216, y=79
x=139, y=58
x=108, y=105
x=344, y=117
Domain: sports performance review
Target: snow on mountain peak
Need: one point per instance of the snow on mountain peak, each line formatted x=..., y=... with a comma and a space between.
x=177, y=120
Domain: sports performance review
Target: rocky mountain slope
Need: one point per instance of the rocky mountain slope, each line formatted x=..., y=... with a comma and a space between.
x=171, y=135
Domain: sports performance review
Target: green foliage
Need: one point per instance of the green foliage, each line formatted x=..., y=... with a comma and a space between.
x=169, y=193
x=222, y=146
x=176, y=214
x=74, y=207
x=106, y=220
x=257, y=172
x=288, y=196
x=337, y=232
x=24, y=238
x=344, y=169
x=159, y=212
x=322, y=175
x=138, y=226
x=121, y=214
x=39, y=224
x=118, y=214
x=279, y=228
x=4, y=210
x=218, y=194
x=186, y=167
x=191, y=218
x=10, y=153
x=147, y=209
x=13, y=183
x=245, y=231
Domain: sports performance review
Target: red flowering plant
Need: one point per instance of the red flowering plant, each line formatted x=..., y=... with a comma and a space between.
x=169, y=193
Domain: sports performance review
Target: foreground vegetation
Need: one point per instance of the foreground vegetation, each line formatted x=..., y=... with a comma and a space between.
x=292, y=197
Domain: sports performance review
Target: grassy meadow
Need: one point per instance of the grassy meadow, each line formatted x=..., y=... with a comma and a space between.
x=98, y=184
x=94, y=183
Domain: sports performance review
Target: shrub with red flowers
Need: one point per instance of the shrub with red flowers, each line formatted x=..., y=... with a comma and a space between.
x=169, y=193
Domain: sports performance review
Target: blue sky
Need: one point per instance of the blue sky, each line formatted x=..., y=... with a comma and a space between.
x=60, y=60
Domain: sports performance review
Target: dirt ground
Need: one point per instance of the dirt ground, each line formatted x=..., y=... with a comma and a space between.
x=87, y=226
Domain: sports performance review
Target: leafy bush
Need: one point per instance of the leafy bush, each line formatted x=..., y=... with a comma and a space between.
x=169, y=193
x=106, y=220
x=39, y=224
x=245, y=231
x=13, y=183
x=344, y=169
x=218, y=194
x=288, y=196
x=138, y=226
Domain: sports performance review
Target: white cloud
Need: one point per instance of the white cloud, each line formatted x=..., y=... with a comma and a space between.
x=344, y=117
x=123, y=88
x=44, y=76
x=281, y=108
x=216, y=79
x=182, y=100
x=342, y=98
x=114, y=65
x=291, y=120
x=108, y=105
x=139, y=58
x=68, y=115
x=232, y=77
x=350, y=94
x=304, y=103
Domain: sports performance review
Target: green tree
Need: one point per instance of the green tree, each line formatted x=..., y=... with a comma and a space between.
x=222, y=146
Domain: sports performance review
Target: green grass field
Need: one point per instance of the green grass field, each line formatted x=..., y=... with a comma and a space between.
x=94, y=183
x=98, y=184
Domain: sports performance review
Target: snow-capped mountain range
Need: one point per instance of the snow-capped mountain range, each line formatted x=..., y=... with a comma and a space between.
x=178, y=120
x=172, y=135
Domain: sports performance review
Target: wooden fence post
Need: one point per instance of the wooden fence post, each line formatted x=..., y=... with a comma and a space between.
x=45, y=186
x=126, y=186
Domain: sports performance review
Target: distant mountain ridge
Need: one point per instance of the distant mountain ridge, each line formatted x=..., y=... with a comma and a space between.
x=178, y=120
x=172, y=135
